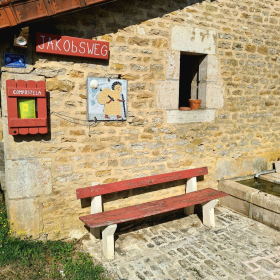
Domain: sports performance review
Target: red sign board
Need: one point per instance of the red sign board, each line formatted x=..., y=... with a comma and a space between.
x=65, y=45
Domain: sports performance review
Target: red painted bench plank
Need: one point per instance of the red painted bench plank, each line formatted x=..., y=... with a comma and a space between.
x=139, y=182
x=151, y=208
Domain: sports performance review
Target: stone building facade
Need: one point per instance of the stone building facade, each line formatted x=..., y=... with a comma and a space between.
x=235, y=133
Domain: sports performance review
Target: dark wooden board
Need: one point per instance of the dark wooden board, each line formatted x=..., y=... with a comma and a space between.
x=139, y=182
x=151, y=208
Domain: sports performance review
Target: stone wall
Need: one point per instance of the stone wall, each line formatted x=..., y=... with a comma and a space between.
x=241, y=138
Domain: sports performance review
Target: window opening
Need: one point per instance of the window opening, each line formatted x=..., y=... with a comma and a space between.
x=189, y=78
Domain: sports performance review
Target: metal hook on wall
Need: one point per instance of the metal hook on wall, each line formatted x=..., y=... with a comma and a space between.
x=95, y=120
x=89, y=131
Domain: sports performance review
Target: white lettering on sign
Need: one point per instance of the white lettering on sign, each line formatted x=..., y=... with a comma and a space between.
x=43, y=39
x=96, y=49
x=50, y=43
x=74, y=48
x=56, y=44
x=27, y=91
x=90, y=51
x=68, y=45
x=105, y=51
x=65, y=45
x=82, y=47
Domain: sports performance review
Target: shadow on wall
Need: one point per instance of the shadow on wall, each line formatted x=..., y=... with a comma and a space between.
x=94, y=22
x=89, y=23
x=2, y=168
x=105, y=19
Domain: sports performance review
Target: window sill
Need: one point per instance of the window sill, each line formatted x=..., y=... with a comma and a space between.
x=194, y=116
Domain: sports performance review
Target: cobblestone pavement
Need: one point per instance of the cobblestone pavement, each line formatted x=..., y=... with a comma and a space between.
x=237, y=248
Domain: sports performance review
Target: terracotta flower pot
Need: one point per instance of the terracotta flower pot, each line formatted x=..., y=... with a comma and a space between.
x=194, y=103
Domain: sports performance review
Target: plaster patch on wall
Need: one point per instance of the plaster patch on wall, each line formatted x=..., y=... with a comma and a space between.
x=177, y=116
x=211, y=95
x=167, y=94
x=28, y=177
x=172, y=65
x=141, y=30
x=240, y=167
x=76, y=234
x=191, y=39
x=25, y=216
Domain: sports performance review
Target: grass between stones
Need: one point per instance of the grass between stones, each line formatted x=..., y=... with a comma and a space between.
x=24, y=258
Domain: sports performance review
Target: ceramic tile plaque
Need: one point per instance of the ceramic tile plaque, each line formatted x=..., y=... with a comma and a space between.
x=106, y=99
x=14, y=60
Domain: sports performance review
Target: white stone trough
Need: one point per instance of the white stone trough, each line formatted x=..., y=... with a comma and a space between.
x=253, y=203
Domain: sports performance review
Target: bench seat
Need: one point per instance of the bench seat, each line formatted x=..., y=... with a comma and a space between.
x=151, y=208
x=106, y=222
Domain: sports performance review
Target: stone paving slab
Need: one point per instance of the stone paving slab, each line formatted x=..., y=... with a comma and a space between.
x=237, y=248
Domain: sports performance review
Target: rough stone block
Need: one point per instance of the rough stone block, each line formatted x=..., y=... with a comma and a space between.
x=167, y=95
x=177, y=116
x=267, y=201
x=28, y=69
x=129, y=162
x=50, y=72
x=209, y=68
x=61, y=85
x=194, y=87
x=211, y=95
x=266, y=217
x=237, y=190
x=277, y=166
x=22, y=149
x=28, y=177
x=172, y=65
x=25, y=216
x=239, y=167
x=236, y=204
x=195, y=40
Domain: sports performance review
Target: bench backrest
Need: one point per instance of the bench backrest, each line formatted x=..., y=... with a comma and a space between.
x=139, y=182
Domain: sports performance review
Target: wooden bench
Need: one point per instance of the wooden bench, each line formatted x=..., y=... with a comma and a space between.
x=109, y=219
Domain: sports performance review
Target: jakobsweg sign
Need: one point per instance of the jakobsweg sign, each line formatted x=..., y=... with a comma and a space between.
x=65, y=45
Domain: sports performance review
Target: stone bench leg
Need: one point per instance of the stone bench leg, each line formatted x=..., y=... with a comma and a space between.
x=208, y=213
x=191, y=186
x=108, y=242
x=96, y=207
x=95, y=234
